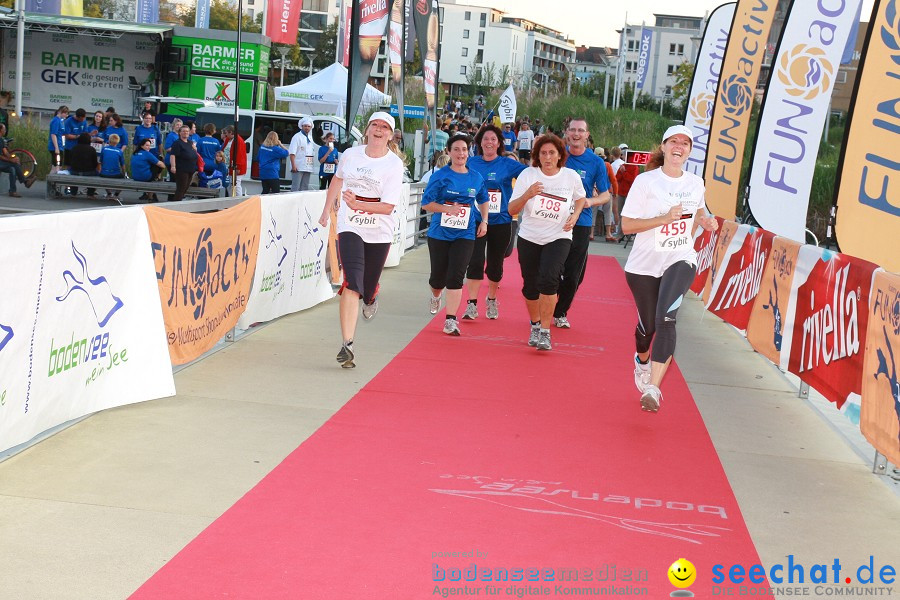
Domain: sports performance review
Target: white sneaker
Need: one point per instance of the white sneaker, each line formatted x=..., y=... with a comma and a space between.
x=434, y=303
x=641, y=375
x=492, y=311
x=369, y=310
x=651, y=399
x=562, y=322
x=544, y=340
x=471, y=312
x=535, y=335
x=451, y=327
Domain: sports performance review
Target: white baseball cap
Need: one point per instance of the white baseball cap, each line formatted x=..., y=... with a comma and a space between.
x=383, y=116
x=623, y=146
x=678, y=129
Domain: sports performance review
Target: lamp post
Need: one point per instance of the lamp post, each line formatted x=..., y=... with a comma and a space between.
x=20, y=53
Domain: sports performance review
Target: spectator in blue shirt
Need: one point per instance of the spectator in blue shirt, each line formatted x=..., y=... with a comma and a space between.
x=271, y=153
x=114, y=127
x=56, y=144
x=148, y=131
x=207, y=146
x=112, y=163
x=328, y=159
x=75, y=125
x=146, y=166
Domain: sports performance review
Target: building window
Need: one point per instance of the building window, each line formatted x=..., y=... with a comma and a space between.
x=465, y=34
x=468, y=15
x=465, y=51
x=633, y=45
x=630, y=66
x=670, y=70
x=676, y=49
x=479, y=56
x=841, y=77
x=484, y=19
x=481, y=38
x=462, y=69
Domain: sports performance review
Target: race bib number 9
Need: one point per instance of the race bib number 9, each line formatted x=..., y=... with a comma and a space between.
x=675, y=235
x=328, y=168
x=495, y=200
x=361, y=218
x=548, y=207
x=460, y=221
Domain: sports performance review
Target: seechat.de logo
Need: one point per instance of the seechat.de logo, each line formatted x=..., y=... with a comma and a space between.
x=701, y=108
x=736, y=96
x=890, y=32
x=805, y=72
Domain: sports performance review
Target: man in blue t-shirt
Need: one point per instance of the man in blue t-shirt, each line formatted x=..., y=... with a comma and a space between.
x=208, y=146
x=510, y=141
x=592, y=170
x=74, y=126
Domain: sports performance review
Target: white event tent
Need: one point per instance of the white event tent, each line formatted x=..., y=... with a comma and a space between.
x=325, y=93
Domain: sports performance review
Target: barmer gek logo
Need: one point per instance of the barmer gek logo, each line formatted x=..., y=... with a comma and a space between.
x=98, y=291
x=890, y=34
x=805, y=72
x=736, y=96
x=222, y=91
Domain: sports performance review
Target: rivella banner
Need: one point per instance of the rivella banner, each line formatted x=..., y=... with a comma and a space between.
x=880, y=414
x=702, y=97
x=868, y=205
x=204, y=269
x=793, y=113
x=81, y=328
x=734, y=101
x=826, y=322
x=283, y=21
x=290, y=266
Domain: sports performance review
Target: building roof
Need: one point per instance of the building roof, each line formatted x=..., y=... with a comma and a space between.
x=82, y=25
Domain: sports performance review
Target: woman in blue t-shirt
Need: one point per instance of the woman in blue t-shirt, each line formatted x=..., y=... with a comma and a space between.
x=452, y=193
x=328, y=159
x=271, y=153
x=498, y=173
x=114, y=126
x=146, y=166
x=112, y=163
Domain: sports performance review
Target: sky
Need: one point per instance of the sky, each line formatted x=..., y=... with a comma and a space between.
x=594, y=22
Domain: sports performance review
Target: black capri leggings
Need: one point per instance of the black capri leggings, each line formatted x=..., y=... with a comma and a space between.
x=362, y=263
x=448, y=262
x=657, y=300
x=494, y=245
x=542, y=266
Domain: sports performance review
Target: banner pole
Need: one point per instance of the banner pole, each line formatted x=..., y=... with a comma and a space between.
x=237, y=97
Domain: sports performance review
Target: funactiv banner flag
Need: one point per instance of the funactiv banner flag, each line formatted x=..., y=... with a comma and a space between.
x=282, y=20
x=368, y=26
x=868, y=205
x=290, y=265
x=204, y=268
x=507, y=108
x=81, y=327
x=765, y=330
x=880, y=412
x=702, y=96
x=827, y=321
x=793, y=113
x=201, y=17
x=704, y=246
x=738, y=279
x=148, y=11
x=643, y=62
x=734, y=101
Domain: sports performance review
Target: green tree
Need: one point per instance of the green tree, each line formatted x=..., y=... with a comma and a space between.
x=684, y=74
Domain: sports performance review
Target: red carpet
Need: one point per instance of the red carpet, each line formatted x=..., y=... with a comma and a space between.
x=482, y=445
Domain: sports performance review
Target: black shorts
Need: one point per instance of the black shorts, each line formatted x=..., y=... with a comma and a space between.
x=525, y=154
x=448, y=262
x=492, y=246
x=363, y=263
x=542, y=266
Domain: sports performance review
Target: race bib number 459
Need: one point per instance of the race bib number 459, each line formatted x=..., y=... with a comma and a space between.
x=548, y=207
x=363, y=219
x=676, y=235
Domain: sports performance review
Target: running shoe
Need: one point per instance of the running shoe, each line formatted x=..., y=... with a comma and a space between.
x=434, y=303
x=651, y=399
x=641, y=374
x=535, y=335
x=451, y=327
x=544, y=340
x=471, y=311
x=562, y=322
x=492, y=311
x=345, y=357
x=369, y=310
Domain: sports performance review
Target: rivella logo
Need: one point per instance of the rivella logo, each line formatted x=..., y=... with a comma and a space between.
x=736, y=96
x=805, y=72
x=701, y=108
x=98, y=291
x=890, y=34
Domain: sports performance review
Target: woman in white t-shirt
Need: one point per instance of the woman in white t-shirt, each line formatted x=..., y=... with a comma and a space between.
x=550, y=198
x=664, y=207
x=364, y=190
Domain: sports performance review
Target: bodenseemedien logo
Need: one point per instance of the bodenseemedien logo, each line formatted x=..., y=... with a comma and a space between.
x=805, y=72
x=701, y=108
x=890, y=34
x=736, y=95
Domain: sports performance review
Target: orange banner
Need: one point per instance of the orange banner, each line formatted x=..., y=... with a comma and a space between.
x=868, y=202
x=727, y=230
x=765, y=330
x=204, y=268
x=880, y=413
x=734, y=100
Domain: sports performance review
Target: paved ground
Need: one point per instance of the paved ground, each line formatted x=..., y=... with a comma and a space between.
x=93, y=511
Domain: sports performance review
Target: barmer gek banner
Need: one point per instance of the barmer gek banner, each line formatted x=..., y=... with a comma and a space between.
x=81, y=327
x=796, y=104
x=702, y=97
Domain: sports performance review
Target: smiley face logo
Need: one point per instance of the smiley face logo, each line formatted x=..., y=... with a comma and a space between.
x=682, y=573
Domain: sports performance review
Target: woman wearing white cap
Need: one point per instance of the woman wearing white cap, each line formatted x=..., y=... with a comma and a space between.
x=302, y=156
x=364, y=191
x=664, y=207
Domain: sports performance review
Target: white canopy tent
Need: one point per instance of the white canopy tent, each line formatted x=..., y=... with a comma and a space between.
x=325, y=93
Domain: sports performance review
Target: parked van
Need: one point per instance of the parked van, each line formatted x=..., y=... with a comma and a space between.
x=255, y=125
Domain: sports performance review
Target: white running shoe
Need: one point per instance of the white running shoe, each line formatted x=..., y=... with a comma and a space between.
x=434, y=303
x=369, y=310
x=641, y=374
x=471, y=312
x=544, y=340
x=451, y=327
x=651, y=399
x=492, y=311
x=535, y=335
x=562, y=322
